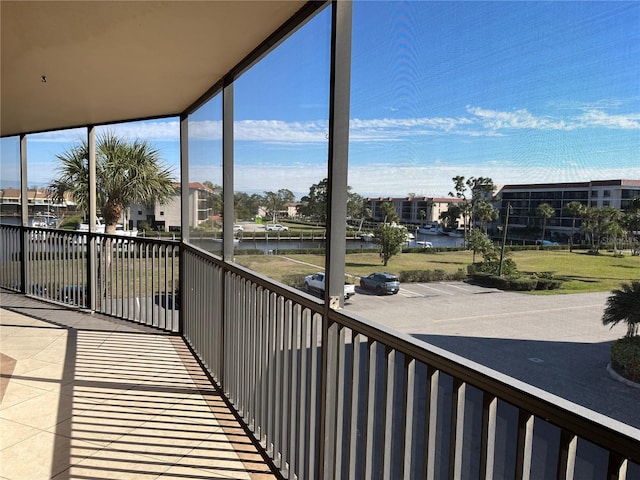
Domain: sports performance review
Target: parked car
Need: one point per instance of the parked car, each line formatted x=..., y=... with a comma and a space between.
x=381, y=283
x=237, y=228
x=74, y=294
x=276, y=227
x=547, y=243
x=315, y=284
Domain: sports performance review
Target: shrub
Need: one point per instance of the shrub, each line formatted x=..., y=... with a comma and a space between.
x=295, y=280
x=546, y=281
x=625, y=358
x=71, y=223
x=505, y=283
x=508, y=267
x=522, y=284
x=426, y=276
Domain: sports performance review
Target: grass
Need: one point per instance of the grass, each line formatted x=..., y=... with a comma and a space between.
x=582, y=272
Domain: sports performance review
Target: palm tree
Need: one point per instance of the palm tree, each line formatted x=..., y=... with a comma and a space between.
x=423, y=215
x=389, y=211
x=485, y=213
x=575, y=209
x=545, y=211
x=126, y=173
x=624, y=306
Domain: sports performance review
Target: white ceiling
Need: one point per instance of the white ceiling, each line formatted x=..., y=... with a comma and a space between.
x=107, y=61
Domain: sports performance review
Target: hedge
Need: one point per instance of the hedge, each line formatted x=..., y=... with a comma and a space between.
x=431, y=276
x=505, y=283
x=625, y=358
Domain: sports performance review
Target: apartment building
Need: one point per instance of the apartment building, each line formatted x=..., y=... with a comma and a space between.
x=167, y=217
x=525, y=198
x=418, y=210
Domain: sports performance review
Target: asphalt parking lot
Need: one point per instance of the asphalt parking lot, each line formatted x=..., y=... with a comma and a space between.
x=555, y=342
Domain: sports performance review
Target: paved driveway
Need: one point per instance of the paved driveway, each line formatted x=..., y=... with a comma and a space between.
x=555, y=342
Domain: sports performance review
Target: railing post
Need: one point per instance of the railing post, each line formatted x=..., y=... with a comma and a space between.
x=92, y=269
x=24, y=216
x=184, y=214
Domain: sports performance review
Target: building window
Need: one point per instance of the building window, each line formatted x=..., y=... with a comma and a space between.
x=606, y=193
x=139, y=212
x=606, y=203
x=162, y=213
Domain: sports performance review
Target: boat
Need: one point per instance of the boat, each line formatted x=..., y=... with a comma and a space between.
x=431, y=228
x=367, y=237
x=456, y=233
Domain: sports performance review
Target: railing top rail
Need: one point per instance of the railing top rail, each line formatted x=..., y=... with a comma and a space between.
x=298, y=296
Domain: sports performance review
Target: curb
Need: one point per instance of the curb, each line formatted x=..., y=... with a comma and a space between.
x=613, y=374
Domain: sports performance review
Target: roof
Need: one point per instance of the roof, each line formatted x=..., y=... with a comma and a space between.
x=566, y=185
x=69, y=64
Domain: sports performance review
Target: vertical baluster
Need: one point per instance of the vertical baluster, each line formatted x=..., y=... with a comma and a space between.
x=488, y=440
x=388, y=389
x=524, y=445
x=431, y=430
x=457, y=429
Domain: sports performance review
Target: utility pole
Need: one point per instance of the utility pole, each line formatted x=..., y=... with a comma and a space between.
x=504, y=238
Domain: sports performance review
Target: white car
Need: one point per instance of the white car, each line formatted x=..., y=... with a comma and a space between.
x=276, y=227
x=237, y=228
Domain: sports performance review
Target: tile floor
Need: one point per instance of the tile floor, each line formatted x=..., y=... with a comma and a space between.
x=87, y=397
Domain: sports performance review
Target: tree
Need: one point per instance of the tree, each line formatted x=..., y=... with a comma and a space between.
x=389, y=212
x=423, y=215
x=624, y=306
x=575, y=209
x=630, y=220
x=481, y=190
x=314, y=204
x=245, y=205
x=126, y=173
x=390, y=239
x=484, y=212
x=479, y=242
x=596, y=222
x=545, y=212
x=450, y=216
x=275, y=202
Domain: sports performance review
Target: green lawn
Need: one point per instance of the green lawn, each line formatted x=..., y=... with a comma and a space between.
x=582, y=272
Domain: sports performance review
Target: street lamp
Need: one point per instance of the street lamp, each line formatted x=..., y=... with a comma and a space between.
x=504, y=238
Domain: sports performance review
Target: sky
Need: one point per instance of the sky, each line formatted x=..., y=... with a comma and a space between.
x=522, y=92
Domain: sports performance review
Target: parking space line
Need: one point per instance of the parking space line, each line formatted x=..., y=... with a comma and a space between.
x=459, y=287
x=436, y=289
x=514, y=314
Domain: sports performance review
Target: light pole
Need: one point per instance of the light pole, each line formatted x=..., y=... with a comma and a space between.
x=504, y=239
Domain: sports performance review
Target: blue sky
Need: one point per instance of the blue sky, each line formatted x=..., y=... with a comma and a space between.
x=521, y=92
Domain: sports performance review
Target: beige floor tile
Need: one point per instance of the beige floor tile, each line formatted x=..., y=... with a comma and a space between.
x=42, y=456
x=17, y=393
x=40, y=331
x=181, y=472
x=13, y=432
x=27, y=366
x=42, y=411
x=111, y=464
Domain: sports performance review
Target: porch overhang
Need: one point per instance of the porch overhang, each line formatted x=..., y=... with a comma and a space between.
x=68, y=64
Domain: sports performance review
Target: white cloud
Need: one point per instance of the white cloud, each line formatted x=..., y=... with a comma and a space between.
x=597, y=118
x=518, y=119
